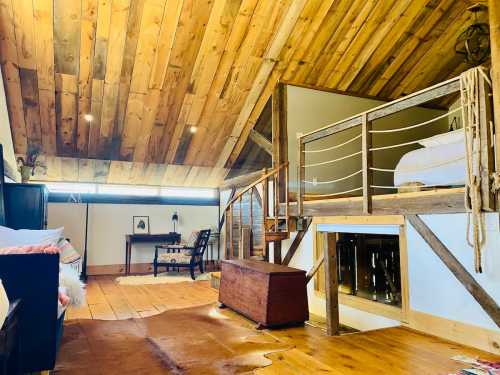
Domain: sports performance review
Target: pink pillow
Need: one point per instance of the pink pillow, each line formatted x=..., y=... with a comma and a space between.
x=30, y=249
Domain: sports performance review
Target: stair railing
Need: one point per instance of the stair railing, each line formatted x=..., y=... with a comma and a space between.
x=265, y=180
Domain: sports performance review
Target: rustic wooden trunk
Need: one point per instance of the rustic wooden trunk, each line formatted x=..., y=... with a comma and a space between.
x=270, y=294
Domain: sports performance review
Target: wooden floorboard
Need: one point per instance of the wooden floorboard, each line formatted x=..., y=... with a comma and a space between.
x=386, y=351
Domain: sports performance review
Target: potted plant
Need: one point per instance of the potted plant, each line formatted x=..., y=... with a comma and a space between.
x=26, y=166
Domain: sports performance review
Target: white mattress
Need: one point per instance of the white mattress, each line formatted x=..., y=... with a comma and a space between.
x=442, y=165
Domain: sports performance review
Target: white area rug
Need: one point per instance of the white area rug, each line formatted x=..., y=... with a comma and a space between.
x=162, y=278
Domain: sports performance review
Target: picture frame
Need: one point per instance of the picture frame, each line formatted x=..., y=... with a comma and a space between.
x=140, y=225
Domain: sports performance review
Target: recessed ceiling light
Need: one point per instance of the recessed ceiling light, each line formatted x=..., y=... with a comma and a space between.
x=88, y=117
x=193, y=129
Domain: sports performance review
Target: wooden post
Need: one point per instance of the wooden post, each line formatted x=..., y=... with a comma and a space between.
x=301, y=175
x=366, y=138
x=230, y=223
x=280, y=139
x=486, y=151
x=331, y=284
x=477, y=292
x=494, y=18
x=245, y=241
x=277, y=252
x=265, y=209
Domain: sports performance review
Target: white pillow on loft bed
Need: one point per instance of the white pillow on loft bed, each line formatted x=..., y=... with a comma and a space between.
x=11, y=237
x=455, y=136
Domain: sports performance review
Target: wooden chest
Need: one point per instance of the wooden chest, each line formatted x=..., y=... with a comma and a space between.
x=269, y=294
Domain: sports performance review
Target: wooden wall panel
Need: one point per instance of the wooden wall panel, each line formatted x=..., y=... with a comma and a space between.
x=149, y=70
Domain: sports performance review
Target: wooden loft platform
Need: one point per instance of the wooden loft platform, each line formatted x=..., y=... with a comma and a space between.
x=438, y=201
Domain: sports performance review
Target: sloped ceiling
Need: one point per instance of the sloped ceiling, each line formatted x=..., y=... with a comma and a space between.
x=148, y=70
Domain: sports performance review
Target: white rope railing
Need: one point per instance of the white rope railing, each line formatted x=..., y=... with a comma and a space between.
x=394, y=146
x=333, y=160
x=382, y=169
x=418, y=125
x=397, y=187
x=332, y=194
x=333, y=181
x=333, y=147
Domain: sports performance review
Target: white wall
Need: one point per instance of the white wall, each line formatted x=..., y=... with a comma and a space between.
x=433, y=288
x=310, y=109
x=6, y=135
x=109, y=223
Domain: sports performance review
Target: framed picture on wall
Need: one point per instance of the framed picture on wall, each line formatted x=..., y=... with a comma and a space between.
x=141, y=224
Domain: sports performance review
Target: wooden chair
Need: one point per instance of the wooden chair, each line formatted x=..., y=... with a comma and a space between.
x=183, y=256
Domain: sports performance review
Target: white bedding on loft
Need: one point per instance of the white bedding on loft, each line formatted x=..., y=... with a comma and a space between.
x=441, y=165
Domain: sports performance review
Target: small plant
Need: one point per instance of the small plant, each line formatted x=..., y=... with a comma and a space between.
x=27, y=166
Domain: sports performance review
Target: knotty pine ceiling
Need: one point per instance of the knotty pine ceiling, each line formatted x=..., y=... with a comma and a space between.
x=148, y=70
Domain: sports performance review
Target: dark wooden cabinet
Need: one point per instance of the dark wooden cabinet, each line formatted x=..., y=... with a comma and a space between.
x=26, y=206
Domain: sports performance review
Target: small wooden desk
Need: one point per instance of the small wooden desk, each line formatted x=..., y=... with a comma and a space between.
x=169, y=238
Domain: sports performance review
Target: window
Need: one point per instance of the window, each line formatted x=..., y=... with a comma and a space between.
x=71, y=187
x=141, y=191
x=111, y=193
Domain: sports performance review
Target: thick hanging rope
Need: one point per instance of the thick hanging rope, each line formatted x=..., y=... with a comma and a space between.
x=469, y=89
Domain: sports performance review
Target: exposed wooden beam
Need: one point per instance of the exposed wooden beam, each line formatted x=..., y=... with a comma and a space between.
x=315, y=268
x=269, y=61
x=296, y=242
x=261, y=141
x=240, y=181
x=488, y=304
x=494, y=16
x=331, y=283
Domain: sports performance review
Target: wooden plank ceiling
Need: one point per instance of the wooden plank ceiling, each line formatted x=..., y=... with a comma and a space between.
x=149, y=70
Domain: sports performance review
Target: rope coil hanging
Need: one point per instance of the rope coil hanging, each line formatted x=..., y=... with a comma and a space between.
x=469, y=90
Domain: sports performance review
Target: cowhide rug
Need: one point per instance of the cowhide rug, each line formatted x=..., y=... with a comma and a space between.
x=198, y=340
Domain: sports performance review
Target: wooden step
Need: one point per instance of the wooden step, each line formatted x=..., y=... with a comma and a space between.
x=276, y=236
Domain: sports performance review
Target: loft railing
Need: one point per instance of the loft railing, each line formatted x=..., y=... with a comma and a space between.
x=244, y=232
x=360, y=147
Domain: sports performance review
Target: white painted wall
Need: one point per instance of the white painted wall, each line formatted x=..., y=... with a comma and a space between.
x=109, y=223
x=433, y=288
x=5, y=134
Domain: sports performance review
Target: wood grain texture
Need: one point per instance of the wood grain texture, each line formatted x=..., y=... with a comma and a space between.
x=149, y=70
x=302, y=350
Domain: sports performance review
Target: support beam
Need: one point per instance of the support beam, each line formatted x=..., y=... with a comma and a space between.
x=270, y=59
x=315, y=268
x=331, y=284
x=261, y=141
x=245, y=242
x=280, y=138
x=484, y=299
x=296, y=242
x=366, y=142
x=240, y=181
x=277, y=252
x=494, y=18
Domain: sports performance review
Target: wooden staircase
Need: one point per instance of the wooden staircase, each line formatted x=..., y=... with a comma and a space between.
x=253, y=219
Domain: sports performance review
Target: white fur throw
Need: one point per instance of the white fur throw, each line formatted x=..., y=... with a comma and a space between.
x=74, y=288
